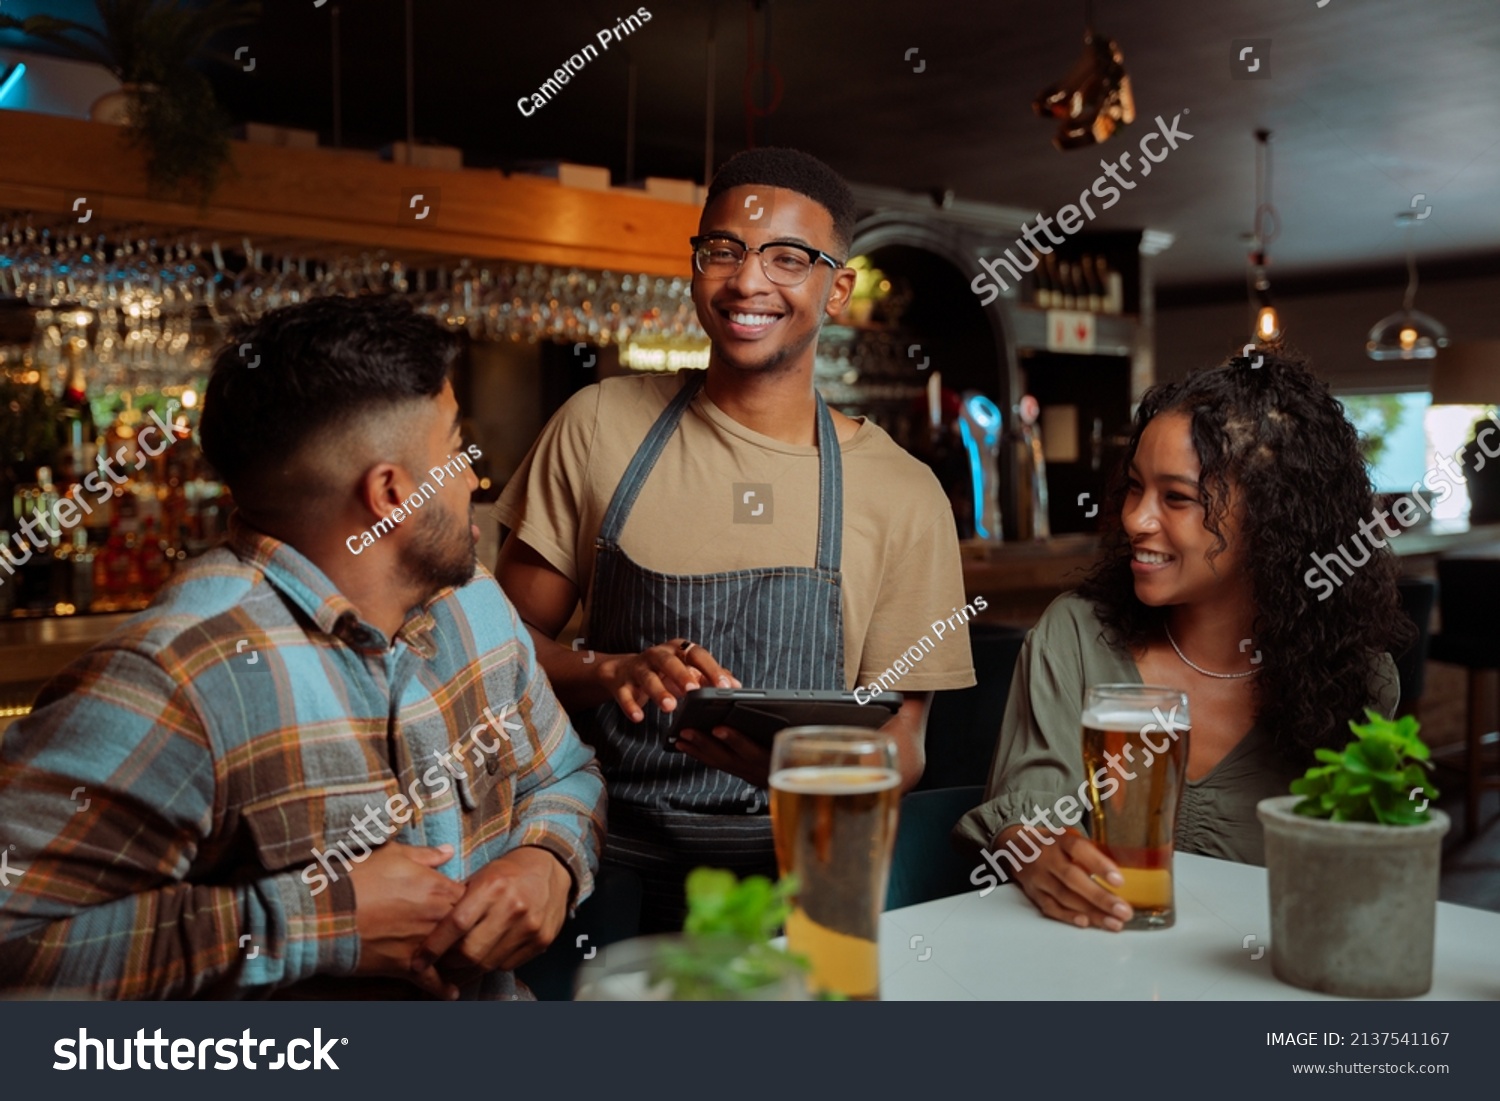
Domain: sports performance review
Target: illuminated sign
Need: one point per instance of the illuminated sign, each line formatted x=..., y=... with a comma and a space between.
x=663, y=357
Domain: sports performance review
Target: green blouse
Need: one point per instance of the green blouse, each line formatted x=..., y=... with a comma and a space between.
x=1040, y=755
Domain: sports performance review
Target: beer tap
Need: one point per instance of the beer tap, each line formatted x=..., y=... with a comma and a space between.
x=980, y=427
x=1035, y=466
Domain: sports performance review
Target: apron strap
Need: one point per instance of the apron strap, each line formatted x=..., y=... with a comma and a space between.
x=830, y=492
x=830, y=476
x=645, y=459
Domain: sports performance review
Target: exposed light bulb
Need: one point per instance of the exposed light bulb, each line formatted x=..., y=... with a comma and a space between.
x=1267, y=325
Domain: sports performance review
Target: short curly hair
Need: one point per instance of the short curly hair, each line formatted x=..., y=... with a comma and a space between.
x=1275, y=431
x=796, y=171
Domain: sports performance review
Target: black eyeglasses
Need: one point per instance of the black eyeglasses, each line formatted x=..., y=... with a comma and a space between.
x=785, y=264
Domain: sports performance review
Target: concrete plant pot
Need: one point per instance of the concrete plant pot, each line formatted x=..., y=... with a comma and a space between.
x=1353, y=904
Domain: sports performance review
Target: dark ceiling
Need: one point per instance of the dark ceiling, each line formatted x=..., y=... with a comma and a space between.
x=1371, y=102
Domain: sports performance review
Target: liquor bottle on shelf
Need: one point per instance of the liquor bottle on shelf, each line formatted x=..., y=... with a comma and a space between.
x=1053, y=299
x=148, y=500
x=80, y=435
x=155, y=566
x=112, y=569
x=73, y=575
x=111, y=554
x=1065, y=283
x=39, y=502
x=83, y=572
x=134, y=582
x=1095, y=287
x=1114, y=292
x=1043, y=298
x=174, y=491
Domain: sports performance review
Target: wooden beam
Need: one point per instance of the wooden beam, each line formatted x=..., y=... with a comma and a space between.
x=347, y=198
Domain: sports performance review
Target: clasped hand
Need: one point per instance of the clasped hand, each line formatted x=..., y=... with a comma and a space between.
x=417, y=924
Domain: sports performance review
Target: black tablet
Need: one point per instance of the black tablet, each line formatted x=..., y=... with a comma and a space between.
x=759, y=713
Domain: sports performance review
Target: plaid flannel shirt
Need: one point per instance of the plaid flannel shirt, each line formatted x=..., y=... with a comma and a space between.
x=173, y=808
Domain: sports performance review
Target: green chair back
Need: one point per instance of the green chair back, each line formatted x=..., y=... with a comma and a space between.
x=926, y=865
x=964, y=723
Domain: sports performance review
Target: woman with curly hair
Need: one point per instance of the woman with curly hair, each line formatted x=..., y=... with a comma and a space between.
x=1232, y=479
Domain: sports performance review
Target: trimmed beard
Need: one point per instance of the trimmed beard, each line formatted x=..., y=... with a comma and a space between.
x=441, y=554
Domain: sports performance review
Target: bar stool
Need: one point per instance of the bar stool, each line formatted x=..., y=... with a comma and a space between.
x=1469, y=602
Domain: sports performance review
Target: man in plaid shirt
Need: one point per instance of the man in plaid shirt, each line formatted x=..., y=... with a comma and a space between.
x=324, y=762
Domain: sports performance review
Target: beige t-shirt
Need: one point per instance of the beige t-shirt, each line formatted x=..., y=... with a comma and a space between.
x=902, y=575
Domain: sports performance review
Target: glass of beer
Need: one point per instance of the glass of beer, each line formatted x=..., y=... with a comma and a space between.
x=1135, y=749
x=835, y=796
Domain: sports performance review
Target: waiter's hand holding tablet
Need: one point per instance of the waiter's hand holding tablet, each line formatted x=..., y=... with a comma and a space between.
x=662, y=675
x=665, y=675
x=718, y=721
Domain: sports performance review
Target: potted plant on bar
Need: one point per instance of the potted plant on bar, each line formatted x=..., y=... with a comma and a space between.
x=1353, y=858
x=724, y=952
x=169, y=107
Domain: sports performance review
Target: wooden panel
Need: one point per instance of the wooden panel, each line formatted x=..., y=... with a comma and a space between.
x=347, y=198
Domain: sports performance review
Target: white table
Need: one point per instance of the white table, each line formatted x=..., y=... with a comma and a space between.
x=1001, y=948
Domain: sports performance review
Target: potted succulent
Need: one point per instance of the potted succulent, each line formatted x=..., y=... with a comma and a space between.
x=724, y=952
x=169, y=107
x=1353, y=857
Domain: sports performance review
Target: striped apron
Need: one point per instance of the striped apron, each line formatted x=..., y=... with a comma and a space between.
x=775, y=627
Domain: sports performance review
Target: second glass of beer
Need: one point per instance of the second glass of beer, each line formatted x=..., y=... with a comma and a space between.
x=1135, y=750
x=835, y=797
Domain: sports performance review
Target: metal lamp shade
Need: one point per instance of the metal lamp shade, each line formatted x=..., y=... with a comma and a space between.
x=1406, y=334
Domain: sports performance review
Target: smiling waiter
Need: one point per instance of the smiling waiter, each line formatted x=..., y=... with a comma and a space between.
x=726, y=528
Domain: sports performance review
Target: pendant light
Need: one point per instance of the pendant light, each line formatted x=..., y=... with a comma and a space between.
x=1407, y=333
x=1267, y=225
x=1267, y=321
x=1094, y=98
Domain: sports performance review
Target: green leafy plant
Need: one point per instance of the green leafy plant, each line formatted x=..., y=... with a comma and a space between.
x=152, y=46
x=726, y=951
x=1377, y=778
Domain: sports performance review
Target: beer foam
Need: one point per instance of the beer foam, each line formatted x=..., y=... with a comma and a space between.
x=835, y=779
x=1131, y=720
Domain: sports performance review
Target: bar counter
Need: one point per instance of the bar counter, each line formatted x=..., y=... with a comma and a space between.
x=33, y=649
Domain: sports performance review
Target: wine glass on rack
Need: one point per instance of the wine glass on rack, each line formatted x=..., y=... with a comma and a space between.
x=155, y=303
